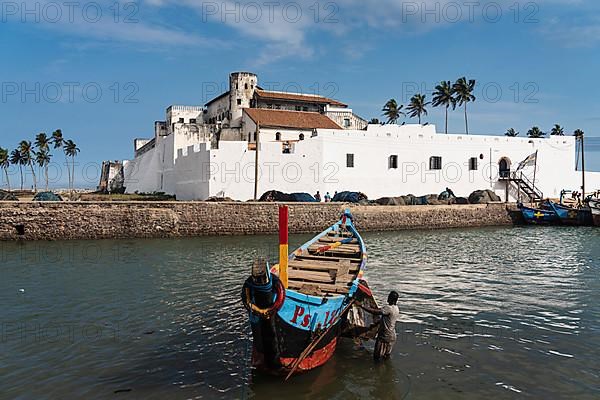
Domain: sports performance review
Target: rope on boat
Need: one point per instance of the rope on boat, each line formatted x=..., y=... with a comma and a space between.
x=325, y=248
x=273, y=286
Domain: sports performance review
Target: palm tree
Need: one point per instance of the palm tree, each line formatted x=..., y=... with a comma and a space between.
x=512, y=133
x=392, y=111
x=374, y=121
x=59, y=141
x=417, y=105
x=557, y=130
x=42, y=158
x=26, y=150
x=578, y=133
x=5, y=163
x=17, y=159
x=463, y=91
x=535, y=133
x=444, y=96
x=71, y=150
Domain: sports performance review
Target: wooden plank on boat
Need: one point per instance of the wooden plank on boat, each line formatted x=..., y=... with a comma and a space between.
x=314, y=257
x=344, y=268
x=333, y=239
x=340, y=233
x=348, y=248
x=318, y=289
x=320, y=265
x=313, y=276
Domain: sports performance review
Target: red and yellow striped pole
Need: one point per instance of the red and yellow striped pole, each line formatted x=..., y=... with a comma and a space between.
x=283, y=245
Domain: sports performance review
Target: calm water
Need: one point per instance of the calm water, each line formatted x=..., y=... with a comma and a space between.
x=500, y=313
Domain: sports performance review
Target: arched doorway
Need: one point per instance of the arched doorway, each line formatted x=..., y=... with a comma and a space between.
x=504, y=167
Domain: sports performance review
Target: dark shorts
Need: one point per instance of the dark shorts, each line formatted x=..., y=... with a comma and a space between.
x=383, y=349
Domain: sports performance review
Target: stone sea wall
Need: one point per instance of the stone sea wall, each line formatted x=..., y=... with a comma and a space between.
x=104, y=220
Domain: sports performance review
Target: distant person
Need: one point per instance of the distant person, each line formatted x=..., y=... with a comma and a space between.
x=327, y=197
x=386, y=335
x=450, y=193
x=318, y=196
x=335, y=194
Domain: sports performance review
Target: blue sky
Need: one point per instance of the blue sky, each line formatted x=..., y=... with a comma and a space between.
x=104, y=76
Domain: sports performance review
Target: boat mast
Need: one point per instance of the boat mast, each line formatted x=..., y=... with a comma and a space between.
x=582, y=169
x=256, y=139
x=535, y=168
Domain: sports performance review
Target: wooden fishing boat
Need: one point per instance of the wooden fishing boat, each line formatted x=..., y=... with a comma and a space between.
x=569, y=215
x=538, y=216
x=595, y=208
x=299, y=309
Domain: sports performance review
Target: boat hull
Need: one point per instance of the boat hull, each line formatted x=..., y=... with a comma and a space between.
x=595, y=207
x=280, y=341
x=569, y=215
x=537, y=216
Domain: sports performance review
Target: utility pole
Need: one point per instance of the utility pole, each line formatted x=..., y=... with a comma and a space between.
x=256, y=162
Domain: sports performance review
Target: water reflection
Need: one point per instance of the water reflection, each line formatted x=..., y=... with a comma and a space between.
x=485, y=312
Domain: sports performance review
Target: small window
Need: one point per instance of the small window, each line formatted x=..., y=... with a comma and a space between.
x=249, y=137
x=301, y=137
x=239, y=101
x=473, y=164
x=350, y=160
x=435, y=162
x=246, y=86
x=192, y=120
x=278, y=136
x=181, y=120
x=393, y=162
x=346, y=122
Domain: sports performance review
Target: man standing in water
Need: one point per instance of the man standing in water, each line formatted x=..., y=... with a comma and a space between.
x=386, y=336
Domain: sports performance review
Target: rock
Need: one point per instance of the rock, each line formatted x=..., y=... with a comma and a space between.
x=483, y=197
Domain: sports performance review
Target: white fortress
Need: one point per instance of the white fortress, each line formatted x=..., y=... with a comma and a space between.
x=308, y=143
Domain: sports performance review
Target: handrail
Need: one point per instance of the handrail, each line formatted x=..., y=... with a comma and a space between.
x=529, y=184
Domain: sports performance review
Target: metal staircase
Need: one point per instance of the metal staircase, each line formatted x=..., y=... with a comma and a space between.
x=526, y=186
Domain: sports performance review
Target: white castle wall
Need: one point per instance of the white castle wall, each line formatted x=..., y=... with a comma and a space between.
x=193, y=171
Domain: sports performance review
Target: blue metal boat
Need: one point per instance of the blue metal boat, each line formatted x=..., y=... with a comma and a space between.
x=538, y=216
x=570, y=215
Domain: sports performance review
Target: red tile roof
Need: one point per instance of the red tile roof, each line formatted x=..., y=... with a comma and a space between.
x=264, y=94
x=290, y=119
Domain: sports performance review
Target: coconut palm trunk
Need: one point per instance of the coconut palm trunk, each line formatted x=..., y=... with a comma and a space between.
x=7, y=180
x=466, y=120
x=72, y=175
x=34, y=177
x=21, y=172
x=447, y=118
x=68, y=169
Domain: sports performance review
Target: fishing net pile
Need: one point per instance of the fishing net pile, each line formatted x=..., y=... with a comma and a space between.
x=47, y=196
x=7, y=196
x=274, y=195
